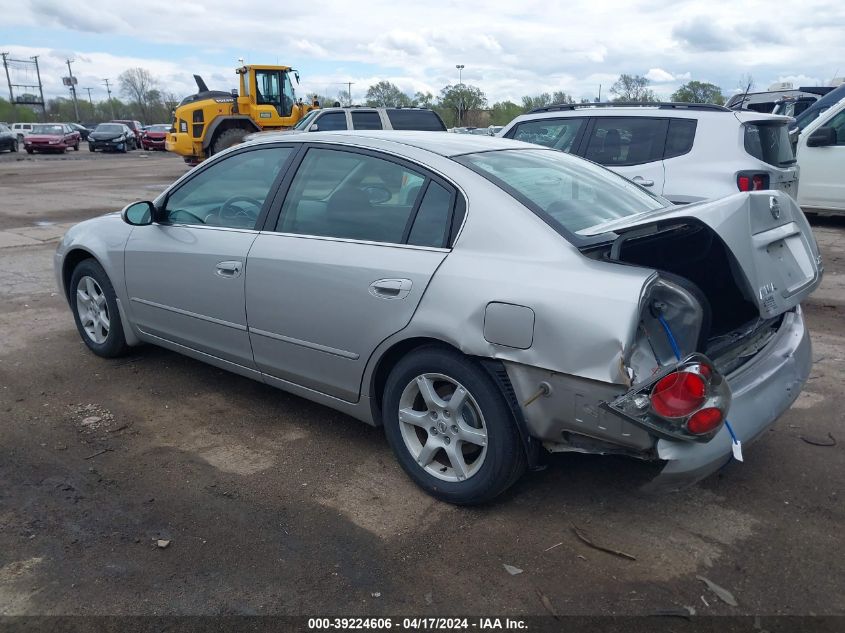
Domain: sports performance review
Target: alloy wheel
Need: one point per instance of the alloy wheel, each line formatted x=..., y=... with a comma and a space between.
x=443, y=427
x=93, y=310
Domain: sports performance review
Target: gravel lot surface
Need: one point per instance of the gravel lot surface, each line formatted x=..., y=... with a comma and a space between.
x=271, y=504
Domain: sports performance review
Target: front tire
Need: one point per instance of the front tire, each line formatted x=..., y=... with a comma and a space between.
x=228, y=139
x=451, y=428
x=94, y=306
x=14, y=146
x=76, y=147
x=29, y=151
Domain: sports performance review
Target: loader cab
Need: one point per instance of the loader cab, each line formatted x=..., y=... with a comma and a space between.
x=269, y=92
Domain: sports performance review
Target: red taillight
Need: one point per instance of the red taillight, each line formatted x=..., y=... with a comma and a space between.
x=752, y=182
x=678, y=394
x=705, y=421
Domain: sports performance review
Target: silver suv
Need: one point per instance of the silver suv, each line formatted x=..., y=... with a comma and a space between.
x=685, y=152
x=363, y=118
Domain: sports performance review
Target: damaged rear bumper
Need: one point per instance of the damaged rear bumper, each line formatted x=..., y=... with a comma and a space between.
x=564, y=412
x=762, y=389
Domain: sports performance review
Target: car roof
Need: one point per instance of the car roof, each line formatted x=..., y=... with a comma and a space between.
x=441, y=143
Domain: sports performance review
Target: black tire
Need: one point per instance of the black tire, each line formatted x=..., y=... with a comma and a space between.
x=29, y=151
x=228, y=139
x=114, y=344
x=14, y=146
x=124, y=147
x=76, y=147
x=505, y=459
x=91, y=147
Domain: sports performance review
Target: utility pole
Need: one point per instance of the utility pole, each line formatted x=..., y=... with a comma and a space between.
x=90, y=100
x=40, y=87
x=73, y=89
x=460, y=68
x=8, y=78
x=111, y=103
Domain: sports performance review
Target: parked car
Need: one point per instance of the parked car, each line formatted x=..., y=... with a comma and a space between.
x=137, y=131
x=8, y=139
x=683, y=151
x=111, y=136
x=51, y=137
x=481, y=299
x=154, y=136
x=360, y=118
x=821, y=156
x=814, y=111
x=83, y=131
x=767, y=101
x=21, y=130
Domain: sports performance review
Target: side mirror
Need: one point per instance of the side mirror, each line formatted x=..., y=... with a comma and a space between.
x=313, y=128
x=139, y=213
x=822, y=137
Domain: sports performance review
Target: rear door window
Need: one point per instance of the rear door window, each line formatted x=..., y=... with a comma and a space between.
x=425, y=120
x=769, y=142
x=680, y=137
x=366, y=121
x=558, y=134
x=331, y=121
x=617, y=141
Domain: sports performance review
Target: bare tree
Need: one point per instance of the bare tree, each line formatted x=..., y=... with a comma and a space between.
x=632, y=88
x=138, y=85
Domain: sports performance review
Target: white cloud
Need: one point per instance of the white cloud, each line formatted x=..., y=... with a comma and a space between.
x=659, y=76
x=508, y=49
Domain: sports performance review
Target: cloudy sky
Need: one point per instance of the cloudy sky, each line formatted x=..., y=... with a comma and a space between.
x=508, y=48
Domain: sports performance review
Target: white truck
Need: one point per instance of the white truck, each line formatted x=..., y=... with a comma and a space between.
x=821, y=157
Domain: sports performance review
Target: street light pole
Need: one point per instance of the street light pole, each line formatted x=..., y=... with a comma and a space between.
x=460, y=68
x=73, y=90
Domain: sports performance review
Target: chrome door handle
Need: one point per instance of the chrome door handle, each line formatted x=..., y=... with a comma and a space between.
x=229, y=269
x=391, y=288
x=642, y=181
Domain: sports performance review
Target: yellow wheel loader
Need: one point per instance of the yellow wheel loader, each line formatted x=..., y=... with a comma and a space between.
x=209, y=121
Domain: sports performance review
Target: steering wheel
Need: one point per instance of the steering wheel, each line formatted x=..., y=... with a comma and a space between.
x=193, y=215
x=229, y=210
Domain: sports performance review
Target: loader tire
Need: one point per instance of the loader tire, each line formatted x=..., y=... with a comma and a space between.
x=228, y=139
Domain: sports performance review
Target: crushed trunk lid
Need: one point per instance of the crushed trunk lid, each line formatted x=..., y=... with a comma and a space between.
x=765, y=231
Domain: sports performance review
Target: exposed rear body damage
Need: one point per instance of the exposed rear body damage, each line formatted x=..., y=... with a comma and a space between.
x=728, y=279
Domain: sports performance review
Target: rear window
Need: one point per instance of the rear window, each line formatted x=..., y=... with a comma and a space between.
x=769, y=142
x=425, y=120
x=366, y=121
x=570, y=194
x=680, y=137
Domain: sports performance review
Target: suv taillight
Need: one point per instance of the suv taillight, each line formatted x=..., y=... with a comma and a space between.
x=752, y=182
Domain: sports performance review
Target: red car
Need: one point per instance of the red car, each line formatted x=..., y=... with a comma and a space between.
x=154, y=136
x=137, y=130
x=51, y=137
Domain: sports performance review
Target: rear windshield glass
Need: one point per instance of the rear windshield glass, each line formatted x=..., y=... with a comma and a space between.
x=569, y=193
x=48, y=129
x=425, y=120
x=109, y=129
x=769, y=143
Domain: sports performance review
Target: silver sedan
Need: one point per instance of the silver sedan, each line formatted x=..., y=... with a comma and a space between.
x=483, y=300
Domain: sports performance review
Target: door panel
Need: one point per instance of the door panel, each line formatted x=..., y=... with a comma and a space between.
x=822, y=184
x=313, y=317
x=183, y=286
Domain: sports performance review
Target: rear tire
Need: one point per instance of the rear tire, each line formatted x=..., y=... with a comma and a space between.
x=29, y=151
x=14, y=146
x=76, y=147
x=91, y=147
x=228, y=139
x=464, y=454
x=95, y=312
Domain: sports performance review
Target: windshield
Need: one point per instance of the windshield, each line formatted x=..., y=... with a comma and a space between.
x=47, y=129
x=159, y=128
x=769, y=142
x=569, y=193
x=304, y=123
x=109, y=129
